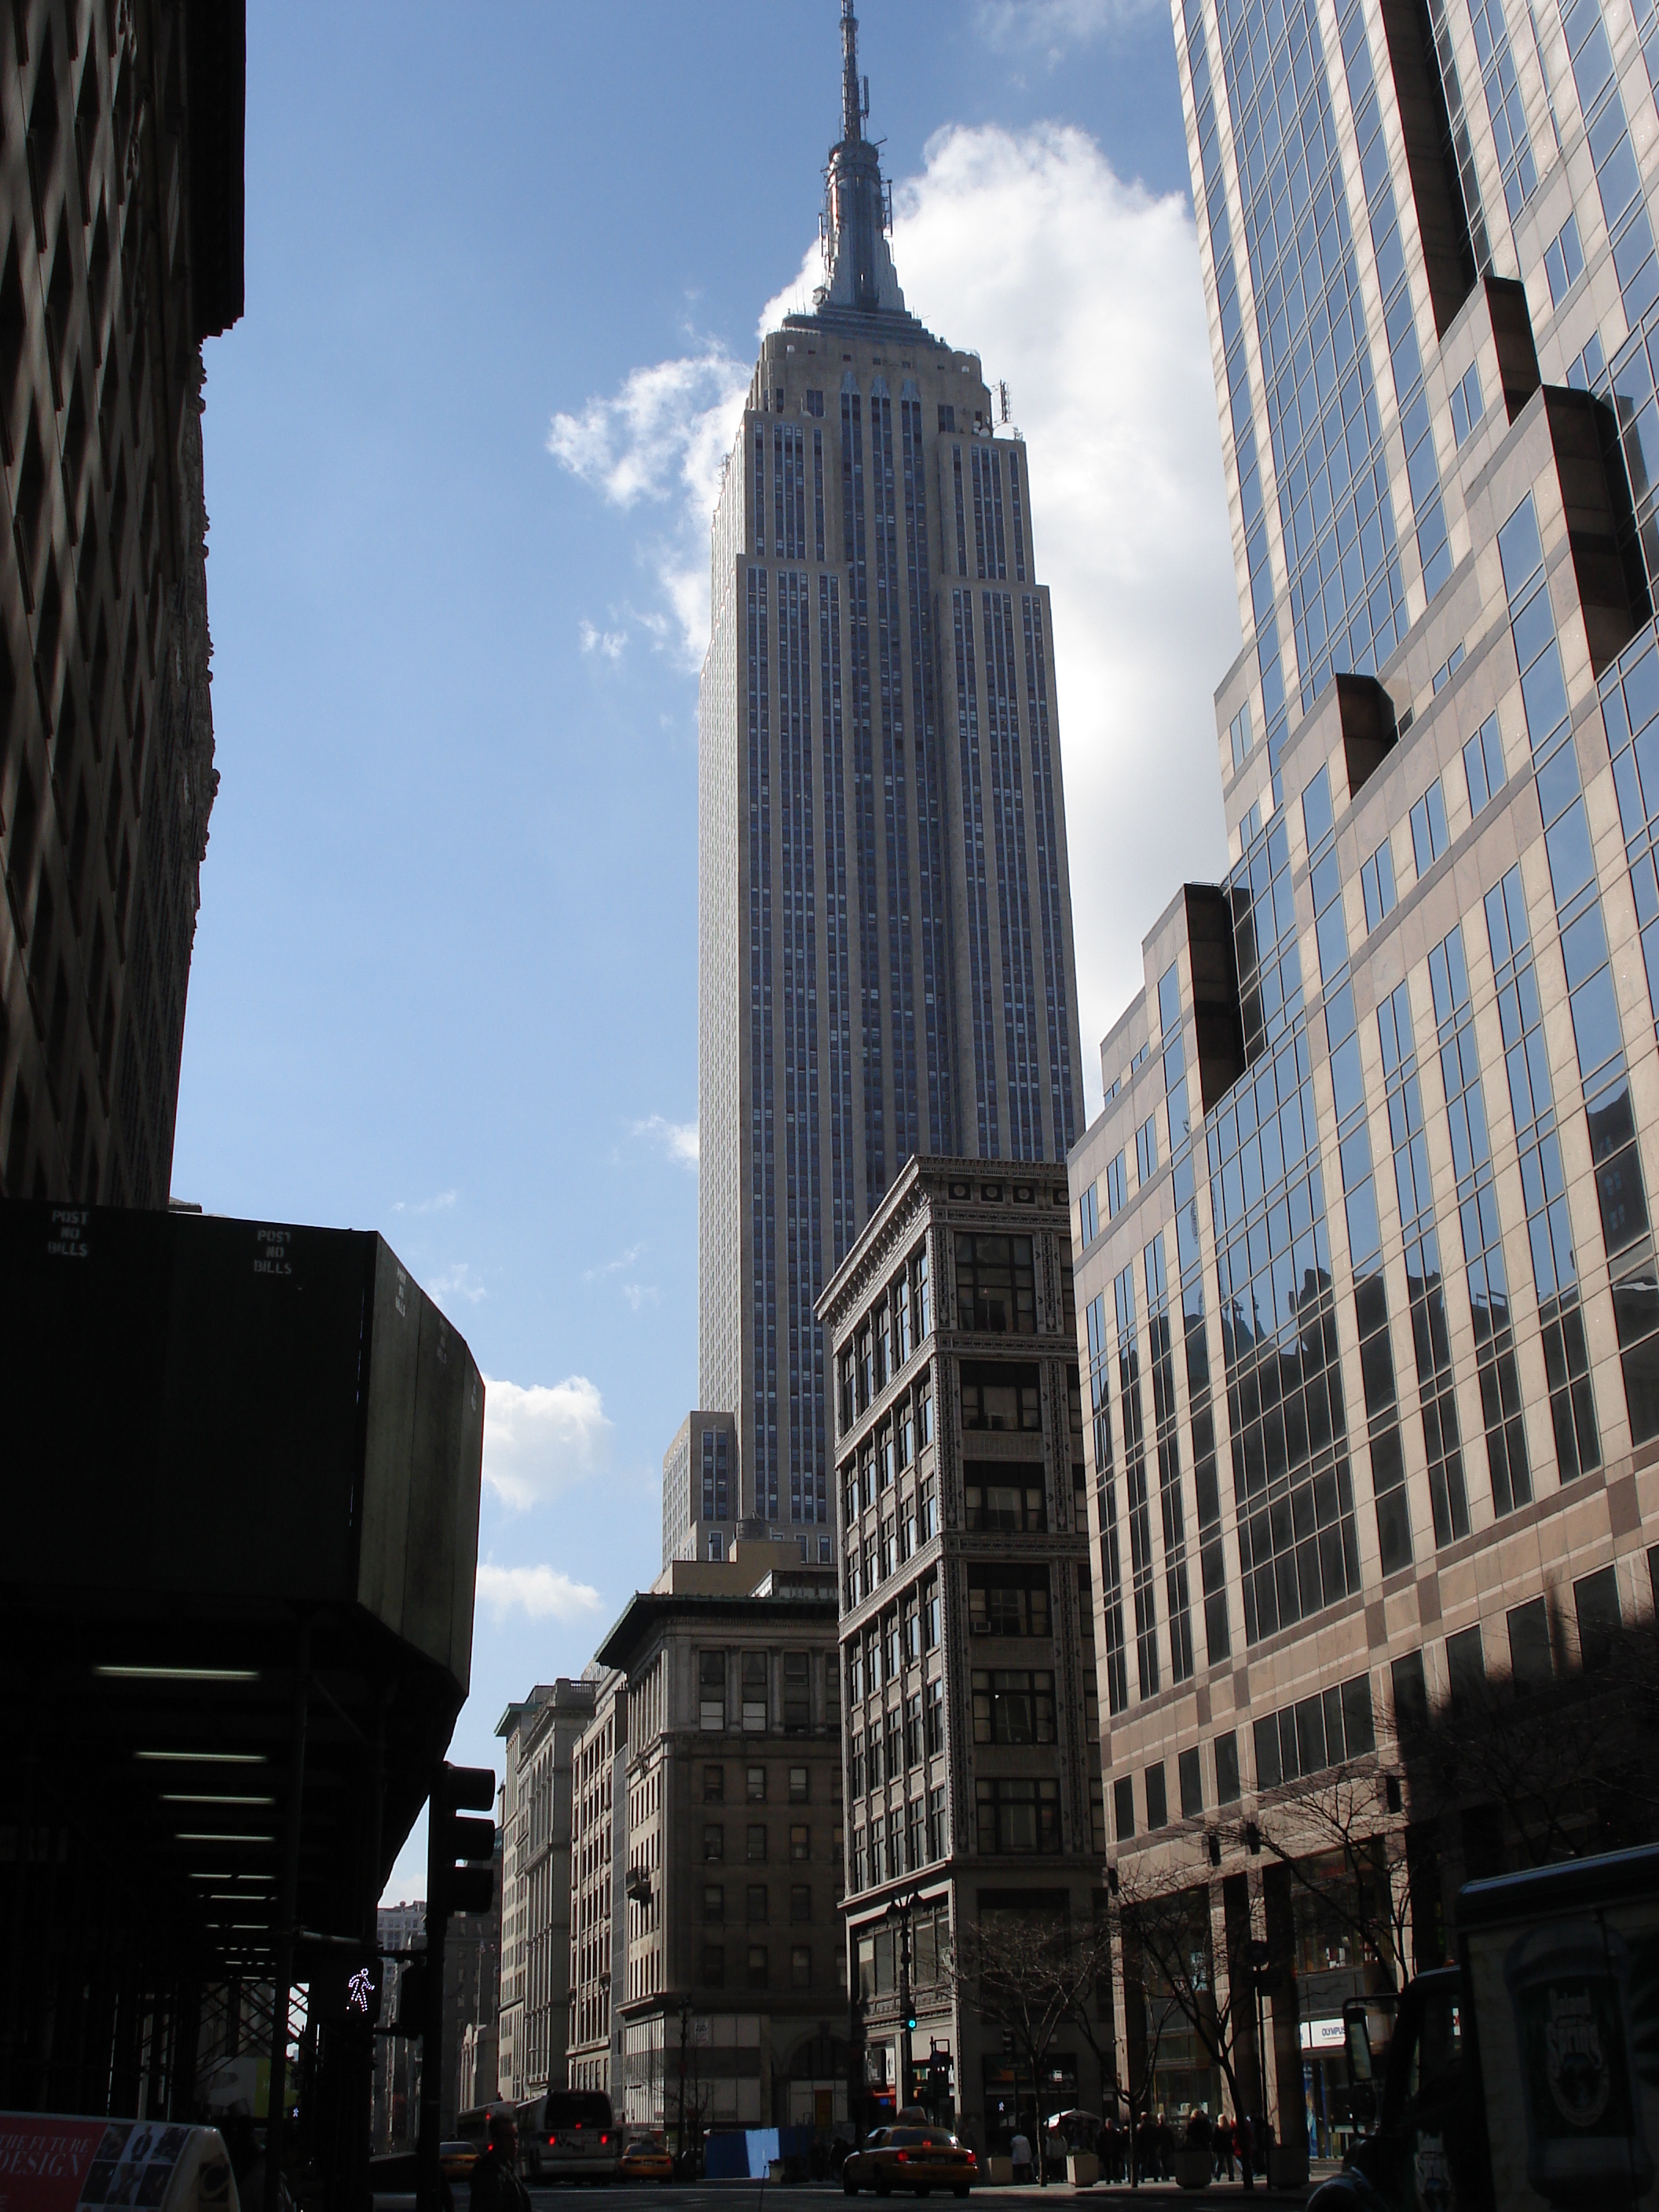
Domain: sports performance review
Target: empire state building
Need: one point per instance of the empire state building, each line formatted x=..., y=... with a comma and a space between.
x=886, y=964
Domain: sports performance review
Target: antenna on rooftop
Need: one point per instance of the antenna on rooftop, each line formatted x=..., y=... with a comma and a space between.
x=1003, y=405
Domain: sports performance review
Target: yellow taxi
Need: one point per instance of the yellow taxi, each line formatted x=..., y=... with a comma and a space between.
x=919, y=2159
x=647, y=2158
x=456, y=2159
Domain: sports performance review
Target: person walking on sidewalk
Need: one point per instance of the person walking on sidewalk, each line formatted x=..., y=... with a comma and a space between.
x=1020, y=2152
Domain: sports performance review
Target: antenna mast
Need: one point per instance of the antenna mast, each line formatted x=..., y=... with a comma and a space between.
x=855, y=97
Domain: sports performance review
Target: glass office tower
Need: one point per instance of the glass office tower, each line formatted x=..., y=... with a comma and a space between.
x=1366, y=1290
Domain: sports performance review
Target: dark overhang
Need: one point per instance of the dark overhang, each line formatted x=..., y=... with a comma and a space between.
x=648, y=1610
x=238, y=1540
x=216, y=61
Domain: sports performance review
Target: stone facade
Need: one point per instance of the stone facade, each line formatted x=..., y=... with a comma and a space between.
x=121, y=224
x=972, y=1729
x=540, y=1737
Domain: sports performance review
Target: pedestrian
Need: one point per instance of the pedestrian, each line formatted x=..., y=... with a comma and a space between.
x=1198, y=2129
x=1165, y=2147
x=1246, y=2137
x=1224, y=2147
x=1020, y=2151
x=495, y=2184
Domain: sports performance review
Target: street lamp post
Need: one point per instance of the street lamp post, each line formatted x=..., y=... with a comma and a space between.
x=685, y=2030
x=1261, y=1961
x=898, y=1914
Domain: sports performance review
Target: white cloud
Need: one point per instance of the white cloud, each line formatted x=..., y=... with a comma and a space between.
x=456, y=1282
x=609, y=644
x=544, y=1592
x=541, y=1439
x=441, y=1204
x=641, y=1294
x=1084, y=293
x=677, y=1139
x=663, y=439
x=1054, y=24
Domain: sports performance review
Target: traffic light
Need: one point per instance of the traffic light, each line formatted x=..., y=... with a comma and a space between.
x=411, y=1998
x=910, y=2019
x=459, y=1875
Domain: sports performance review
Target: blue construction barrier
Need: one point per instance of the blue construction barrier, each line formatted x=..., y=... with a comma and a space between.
x=746, y=2154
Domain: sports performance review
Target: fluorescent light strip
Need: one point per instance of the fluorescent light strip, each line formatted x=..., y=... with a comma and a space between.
x=207, y=1758
x=179, y=1674
x=205, y=1797
x=219, y=1836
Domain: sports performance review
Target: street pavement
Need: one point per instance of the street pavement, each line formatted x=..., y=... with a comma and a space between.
x=758, y=2197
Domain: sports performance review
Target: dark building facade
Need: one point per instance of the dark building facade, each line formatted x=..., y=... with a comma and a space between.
x=121, y=233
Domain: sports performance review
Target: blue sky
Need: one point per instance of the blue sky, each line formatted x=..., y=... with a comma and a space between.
x=504, y=275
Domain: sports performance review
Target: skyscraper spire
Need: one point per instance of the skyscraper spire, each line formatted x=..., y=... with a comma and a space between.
x=861, y=274
x=852, y=108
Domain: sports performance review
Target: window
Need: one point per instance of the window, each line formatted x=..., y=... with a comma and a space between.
x=1563, y=261
x=927, y=1513
x=815, y=403
x=1429, y=837
x=936, y=1824
x=1411, y=1696
x=797, y=1692
x=714, y=1785
x=1316, y=1733
x=903, y=1341
x=1483, y=763
x=1447, y=668
x=1595, y=1599
x=801, y=1967
x=1123, y=1807
x=1226, y=1768
x=934, y=1719
x=758, y=1966
x=753, y=1691
x=1008, y=1600
x=757, y=1840
x=1117, y=1178
x=1465, y=1668
x=800, y=1841
x=913, y=1729
x=713, y=1966
x=1531, y=1666
x=714, y=1842
x=1147, y=1150
x=757, y=1786
x=998, y=1395
x=996, y=1285
x=881, y=1325
x=1192, y=1786
x=1088, y=1211
x=918, y=1276
x=800, y=1900
x=1157, y=1800
x=714, y=1902
x=756, y=1906
x=995, y=1497
x=1012, y=1704
x=711, y=1677
x=797, y=1785
x=1376, y=884
x=1015, y=1816
x=1467, y=402
x=1238, y=731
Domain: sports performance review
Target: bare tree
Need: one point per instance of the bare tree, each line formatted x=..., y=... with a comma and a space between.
x=1169, y=1952
x=1334, y=1837
x=1018, y=1969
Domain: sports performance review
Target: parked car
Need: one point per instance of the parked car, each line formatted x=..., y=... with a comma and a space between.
x=919, y=2159
x=647, y=2158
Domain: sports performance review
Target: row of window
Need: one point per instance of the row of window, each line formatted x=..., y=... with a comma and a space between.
x=751, y=1707
x=903, y=1841
x=756, y=1968
x=898, y=1740
x=755, y=1784
x=899, y=1321
x=756, y=1840
x=896, y=1642
x=756, y=1907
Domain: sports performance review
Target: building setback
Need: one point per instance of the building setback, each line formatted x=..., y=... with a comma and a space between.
x=541, y=1736
x=886, y=962
x=972, y=1728
x=1365, y=1246
x=121, y=232
x=733, y=1959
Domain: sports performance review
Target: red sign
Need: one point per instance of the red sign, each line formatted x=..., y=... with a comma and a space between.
x=43, y=2162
